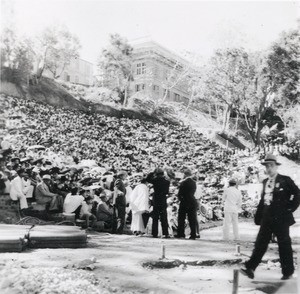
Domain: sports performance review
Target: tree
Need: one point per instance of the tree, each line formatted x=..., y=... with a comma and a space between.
x=55, y=49
x=116, y=61
x=283, y=63
x=16, y=56
x=228, y=74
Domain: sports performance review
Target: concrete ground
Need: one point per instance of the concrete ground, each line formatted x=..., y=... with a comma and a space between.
x=120, y=260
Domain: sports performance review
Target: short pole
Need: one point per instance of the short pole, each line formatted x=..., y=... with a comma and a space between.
x=235, y=281
x=163, y=251
x=238, y=250
x=298, y=268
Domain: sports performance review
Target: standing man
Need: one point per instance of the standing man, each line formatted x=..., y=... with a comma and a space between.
x=17, y=189
x=188, y=205
x=232, y=200
x=119, y=203
x=161, y=189
x=279, y=199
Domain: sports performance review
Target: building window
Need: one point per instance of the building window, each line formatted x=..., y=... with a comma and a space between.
x=155, y=88
x=76, y=80
x=139, y=87
x=66, y=77
x=177, y=97
x=167, y=93
x=141, y=68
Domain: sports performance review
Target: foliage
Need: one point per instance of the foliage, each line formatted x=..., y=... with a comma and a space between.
x=16, y=56
x=116, y=62
x=55, y=48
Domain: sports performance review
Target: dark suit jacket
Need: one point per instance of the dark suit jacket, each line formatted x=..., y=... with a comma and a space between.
x=286, y=199
x=186, y=193
x=161, y=189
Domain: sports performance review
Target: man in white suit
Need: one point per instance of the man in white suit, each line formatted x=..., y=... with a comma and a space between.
x=17, y=189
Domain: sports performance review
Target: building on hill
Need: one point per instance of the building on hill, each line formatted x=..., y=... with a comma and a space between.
x=152, y=68
x=79, y=71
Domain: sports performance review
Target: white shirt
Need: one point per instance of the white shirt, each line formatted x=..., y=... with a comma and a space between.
x=269, y=188
x=232, y=200
x=72, y=202
x=16, y=188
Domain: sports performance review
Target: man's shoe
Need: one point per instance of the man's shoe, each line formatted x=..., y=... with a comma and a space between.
x=179, y=237
x=197, y=236
x=247, y=272
x=192, y=238
x=286, y=277
x=166, y=237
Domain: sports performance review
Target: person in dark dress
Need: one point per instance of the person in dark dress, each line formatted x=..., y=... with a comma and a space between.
x=188, y=205
x=280, y=198
x=161, y=189
x=119, y=202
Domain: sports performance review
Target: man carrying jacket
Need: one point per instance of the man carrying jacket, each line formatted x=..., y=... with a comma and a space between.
x=279, y=199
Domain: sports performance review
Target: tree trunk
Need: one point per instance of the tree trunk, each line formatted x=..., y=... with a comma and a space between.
x=236, y=123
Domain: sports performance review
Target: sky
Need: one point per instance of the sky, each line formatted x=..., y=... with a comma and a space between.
x=194, y=26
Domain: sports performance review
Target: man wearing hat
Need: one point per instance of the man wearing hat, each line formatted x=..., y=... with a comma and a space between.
x=279, y=199
x=45, y=197
x=188, y=205
x=232, y=199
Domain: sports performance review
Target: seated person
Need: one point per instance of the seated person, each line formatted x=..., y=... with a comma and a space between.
x=104, y=212
x=86, y=211
x=73, y=202
x=51, y=202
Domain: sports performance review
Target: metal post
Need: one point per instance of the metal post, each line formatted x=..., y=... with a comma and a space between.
x=238, y=250
x=163, y=251
x=235, y=281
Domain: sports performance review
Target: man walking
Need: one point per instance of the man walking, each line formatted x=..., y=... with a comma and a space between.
x=279, y=199
x=161, y=189
x=232, y=199
x=188, y=205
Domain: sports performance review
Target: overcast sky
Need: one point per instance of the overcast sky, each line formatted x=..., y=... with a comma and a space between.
x=195, y=26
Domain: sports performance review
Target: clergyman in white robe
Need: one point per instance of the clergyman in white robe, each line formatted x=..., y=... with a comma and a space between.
x=139, y=204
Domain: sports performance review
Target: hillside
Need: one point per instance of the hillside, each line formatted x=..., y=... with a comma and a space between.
x=92, y=99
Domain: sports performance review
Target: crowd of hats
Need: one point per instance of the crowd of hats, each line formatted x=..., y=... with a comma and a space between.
x=87, y=150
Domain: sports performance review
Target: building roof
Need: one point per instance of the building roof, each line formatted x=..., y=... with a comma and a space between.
x=148, y=43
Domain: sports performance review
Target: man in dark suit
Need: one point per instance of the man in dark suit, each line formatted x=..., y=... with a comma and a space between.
x=188, y=205
x=279, y=199
x=161, y=189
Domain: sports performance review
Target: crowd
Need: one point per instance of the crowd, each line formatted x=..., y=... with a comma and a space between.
x=57, y=160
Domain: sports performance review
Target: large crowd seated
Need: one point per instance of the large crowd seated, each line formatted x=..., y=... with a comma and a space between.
x=55, y=153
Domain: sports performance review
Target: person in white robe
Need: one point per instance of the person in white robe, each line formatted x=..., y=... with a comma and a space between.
x=139, y=202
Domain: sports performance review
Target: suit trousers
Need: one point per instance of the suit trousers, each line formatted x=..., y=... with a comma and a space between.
x=119, y=219
x=191, y=212
x=230, y=218
x=160, y=212
x=282, y=232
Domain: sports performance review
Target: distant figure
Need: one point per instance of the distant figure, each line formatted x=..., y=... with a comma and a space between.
x=279, y=199
x=188, y=205
x=232, y=200
x=161, y=189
